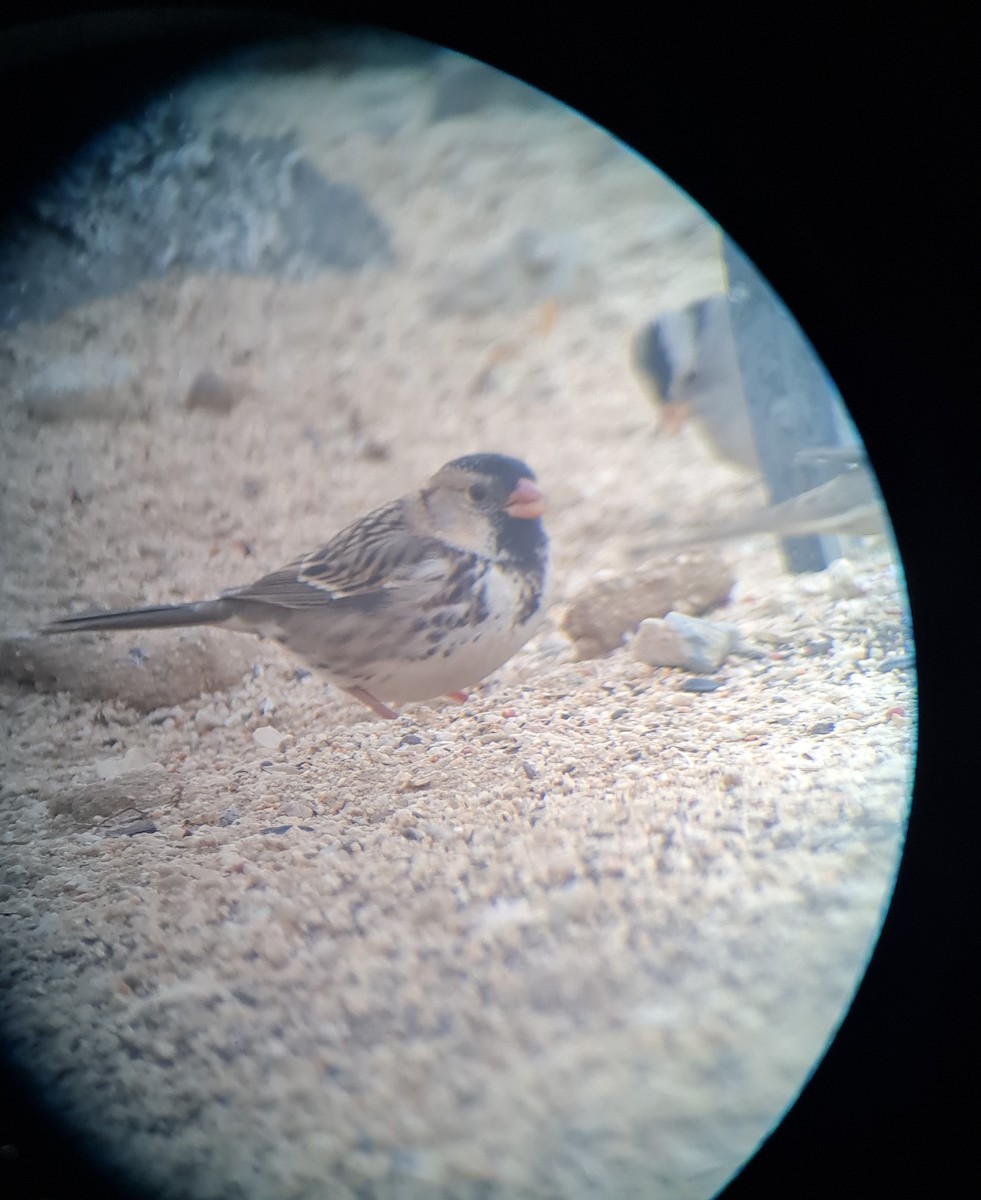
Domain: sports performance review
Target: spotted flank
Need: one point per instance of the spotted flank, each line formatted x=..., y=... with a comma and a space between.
x=464, y=592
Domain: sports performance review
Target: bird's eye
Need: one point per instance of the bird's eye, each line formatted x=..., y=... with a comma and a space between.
x=478, y=492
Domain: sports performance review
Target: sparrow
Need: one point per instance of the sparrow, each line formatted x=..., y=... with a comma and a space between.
x=687, y=361
x=422, y=597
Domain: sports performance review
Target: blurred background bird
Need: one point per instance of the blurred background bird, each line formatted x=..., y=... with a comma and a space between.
x=688, y=364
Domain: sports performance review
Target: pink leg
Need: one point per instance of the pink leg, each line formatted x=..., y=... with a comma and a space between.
x=376, y=706
x=459, y=697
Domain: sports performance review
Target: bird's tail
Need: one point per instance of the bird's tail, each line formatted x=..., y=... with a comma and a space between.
x=161, y=616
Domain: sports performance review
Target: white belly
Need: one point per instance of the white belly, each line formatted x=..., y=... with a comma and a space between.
x=455, y=665
x=464, y=657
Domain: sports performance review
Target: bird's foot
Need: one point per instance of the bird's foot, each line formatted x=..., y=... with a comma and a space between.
x=459, y=697
x=369, y=700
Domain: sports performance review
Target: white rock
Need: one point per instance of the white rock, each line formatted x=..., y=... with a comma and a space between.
x=682, y=641
x=112, y=768
x=267, y=737
x=842, y=584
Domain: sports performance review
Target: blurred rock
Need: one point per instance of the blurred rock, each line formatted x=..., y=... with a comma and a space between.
x=66, y=389
x=699, y=684
x=843, y=583
x=144, y=671
x=156, y=194
x=147, y=788
x=682, y=641
x=462, y=85
x=532, y=268
x=210, y=393
x=134, y=759
x=268, y=737
x=602, y=614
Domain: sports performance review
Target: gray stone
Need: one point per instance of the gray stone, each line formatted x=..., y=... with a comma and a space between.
x=132, y=828
x=209, y=392
x=150, y=787
x=144, y=671
x=157, y=194
x=699, y=684
x=682, y=641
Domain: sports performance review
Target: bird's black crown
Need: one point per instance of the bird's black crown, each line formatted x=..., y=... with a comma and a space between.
x=498, y=466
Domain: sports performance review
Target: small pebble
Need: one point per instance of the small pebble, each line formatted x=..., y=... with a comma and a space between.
x=375, y=451
x=751, y=652
x=842, y=584
x=276, y=829
x=822, y=727
x=230, y=816
x=902, y=662
x=698, y=683
x=132, y=829
x=210, y=393
x=267, y=737
x=206, y=719
x=159, y=715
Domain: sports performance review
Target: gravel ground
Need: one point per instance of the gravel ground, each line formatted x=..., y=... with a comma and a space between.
x=585, y=935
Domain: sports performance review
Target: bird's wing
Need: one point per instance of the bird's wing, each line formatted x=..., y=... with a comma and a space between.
x=363, y=564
